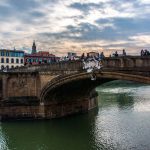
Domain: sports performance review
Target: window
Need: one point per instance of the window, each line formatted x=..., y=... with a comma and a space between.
x=12, y=60
x=45, y=60
x=12, y=54
x=12, y=66
x=29, y=60
x=2, y=60
x=21, y=54
x=7, y=53
x=40, y=59
x=21, y=61
x=16, y=54
x=7, y=67
x=7, y=60
x=2, y=67
x=17, y=61
x=2, y=53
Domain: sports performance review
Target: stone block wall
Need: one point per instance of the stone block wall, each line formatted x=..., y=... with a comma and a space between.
x=17, y=85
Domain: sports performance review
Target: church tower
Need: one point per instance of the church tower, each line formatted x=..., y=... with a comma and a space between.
x=33, y=48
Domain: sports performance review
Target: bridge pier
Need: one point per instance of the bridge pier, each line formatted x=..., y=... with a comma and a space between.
x=47, y=111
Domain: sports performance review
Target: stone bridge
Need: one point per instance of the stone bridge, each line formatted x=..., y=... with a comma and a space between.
x=60, y=89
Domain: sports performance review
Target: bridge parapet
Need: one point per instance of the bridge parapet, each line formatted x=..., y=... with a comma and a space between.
x=127, y=62
x=60, y=66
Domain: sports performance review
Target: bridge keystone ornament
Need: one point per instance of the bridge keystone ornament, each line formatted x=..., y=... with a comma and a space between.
x=90, y=65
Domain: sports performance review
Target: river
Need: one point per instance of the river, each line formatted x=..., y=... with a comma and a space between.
x=121, y=122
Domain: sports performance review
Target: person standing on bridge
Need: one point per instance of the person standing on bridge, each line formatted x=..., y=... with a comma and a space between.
x=82, y=56
x=116, y=54
x=142, y=52
x=101, y=56
x=123, y=52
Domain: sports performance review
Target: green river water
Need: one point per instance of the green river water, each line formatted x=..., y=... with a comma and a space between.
x=121, y=122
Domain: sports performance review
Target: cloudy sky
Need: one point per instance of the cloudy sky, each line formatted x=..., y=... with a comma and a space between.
x=59, y=26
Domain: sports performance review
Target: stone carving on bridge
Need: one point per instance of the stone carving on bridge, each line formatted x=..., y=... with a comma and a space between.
x=92, y=64
x=22, y=81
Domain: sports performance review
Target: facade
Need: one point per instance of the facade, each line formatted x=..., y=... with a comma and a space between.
x=71, y=55
x=92, y=54
x=40, y=57
x=11, y=58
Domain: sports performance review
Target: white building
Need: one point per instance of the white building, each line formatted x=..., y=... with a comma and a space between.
x=71, y=55
x=11, y=58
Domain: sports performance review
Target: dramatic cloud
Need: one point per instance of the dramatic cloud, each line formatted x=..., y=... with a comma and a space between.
x=60, y=26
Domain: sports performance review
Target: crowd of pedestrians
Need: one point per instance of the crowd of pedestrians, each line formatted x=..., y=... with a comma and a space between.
x=116, y=53
x=99, y=56
x=145, y=52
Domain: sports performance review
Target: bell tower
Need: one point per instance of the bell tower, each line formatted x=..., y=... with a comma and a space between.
x=33, y=48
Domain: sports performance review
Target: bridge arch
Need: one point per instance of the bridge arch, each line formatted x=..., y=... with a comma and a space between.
x=84, y=79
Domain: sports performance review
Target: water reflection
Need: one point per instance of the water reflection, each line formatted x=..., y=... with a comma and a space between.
x=121, y=94
x=121, y=122
x=3, y=141
x=58, y=134
x=119, y=125
x=121, y=100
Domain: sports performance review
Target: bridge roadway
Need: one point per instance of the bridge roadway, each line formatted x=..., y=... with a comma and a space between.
x=61, y=89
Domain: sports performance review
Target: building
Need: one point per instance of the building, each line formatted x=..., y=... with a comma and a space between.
x=11, y=58
x=72, y=56
x=40, y=57
x=92, y=54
